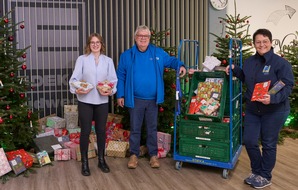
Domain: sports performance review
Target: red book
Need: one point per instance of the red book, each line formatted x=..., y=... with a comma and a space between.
x=260, y=90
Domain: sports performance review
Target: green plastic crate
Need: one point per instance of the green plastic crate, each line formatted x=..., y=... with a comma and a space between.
x=204, y=149
x=201, y=77
x=204, y=130
x=210, y=150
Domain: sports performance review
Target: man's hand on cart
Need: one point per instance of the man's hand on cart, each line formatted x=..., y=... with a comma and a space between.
x=182, y=71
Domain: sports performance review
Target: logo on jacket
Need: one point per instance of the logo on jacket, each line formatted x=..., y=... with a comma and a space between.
x=266, y=69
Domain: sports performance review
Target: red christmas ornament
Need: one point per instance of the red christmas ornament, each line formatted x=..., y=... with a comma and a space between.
x=11, y=74
x=1, y=120
x=29, y=112
x=22, y=95
x=227, y=36
x=28, y=116
x=22, y=26
x=10, y=38
x=167, y=33
x=24, y=66
x=161, y=109
x=6, y=20
x=11, y=90
x=224, y=62
x=10, y=117
x=173, y=86
x=183, y=100
x=7, y=107
x=217, y=45
x=166, y=70
x=24, y=56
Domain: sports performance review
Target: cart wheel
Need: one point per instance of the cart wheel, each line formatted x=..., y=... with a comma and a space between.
x=178, y=165
x=225, y=173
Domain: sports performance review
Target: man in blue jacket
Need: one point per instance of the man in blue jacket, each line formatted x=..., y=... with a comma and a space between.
x=141, y=88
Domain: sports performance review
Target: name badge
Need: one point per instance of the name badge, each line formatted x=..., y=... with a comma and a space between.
x=266, y=69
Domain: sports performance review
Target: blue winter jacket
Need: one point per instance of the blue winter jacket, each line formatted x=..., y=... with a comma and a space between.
x=125, y=71
x=259, y=68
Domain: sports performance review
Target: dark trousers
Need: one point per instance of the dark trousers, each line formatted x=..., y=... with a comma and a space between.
x=87, y=114
x=148, y=110
x=266, y=128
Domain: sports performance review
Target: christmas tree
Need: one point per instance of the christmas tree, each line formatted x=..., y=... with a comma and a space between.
x=17, y=119
x=290, y=52
x=233, y=27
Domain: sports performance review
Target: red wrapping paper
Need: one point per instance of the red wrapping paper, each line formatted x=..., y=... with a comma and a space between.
x=26, y=158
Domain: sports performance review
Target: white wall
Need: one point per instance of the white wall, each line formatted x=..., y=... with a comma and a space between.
x=270, y=14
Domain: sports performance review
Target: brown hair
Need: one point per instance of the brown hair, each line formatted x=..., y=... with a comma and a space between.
x=87, y=49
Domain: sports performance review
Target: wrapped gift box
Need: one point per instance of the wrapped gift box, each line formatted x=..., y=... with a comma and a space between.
x=162, y=153
x=63, y=139
x=56, y=122
x=35, y=159
x=71, y=120
x=164, y=141
x=115, y=118
x=43, y=158
x=91, y=151
x=4, y=164
x=43, y=122
x=48, y=143
x=70, y=108
x=72, y=146
x=62, y=154
x=74, y=130
x=120, y=135
x=17, y=165
x=117, y=148
x=26, y=158
x=47, y=133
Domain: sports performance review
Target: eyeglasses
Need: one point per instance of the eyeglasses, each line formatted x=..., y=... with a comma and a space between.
x=95, y=43
x=143, y=36
x=265, y=42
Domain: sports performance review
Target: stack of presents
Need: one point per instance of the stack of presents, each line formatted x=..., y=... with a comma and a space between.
x=59, y=140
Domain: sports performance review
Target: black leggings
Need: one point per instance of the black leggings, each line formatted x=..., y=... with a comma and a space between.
x=87, y=114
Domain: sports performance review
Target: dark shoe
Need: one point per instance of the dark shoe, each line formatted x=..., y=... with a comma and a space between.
x=260, y=182
x=85, y=165
x=103, y=165
x=250, y=178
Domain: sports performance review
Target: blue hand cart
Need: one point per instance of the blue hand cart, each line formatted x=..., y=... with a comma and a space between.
x=210, y=142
